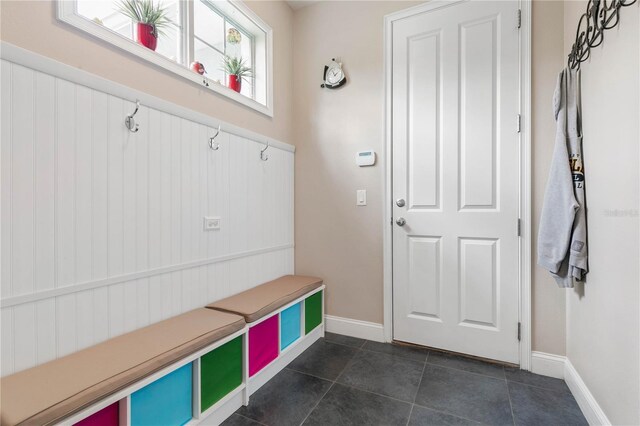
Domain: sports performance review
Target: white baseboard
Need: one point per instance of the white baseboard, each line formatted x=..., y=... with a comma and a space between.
x=354, y=328
x=588, y=404
x=548, y=364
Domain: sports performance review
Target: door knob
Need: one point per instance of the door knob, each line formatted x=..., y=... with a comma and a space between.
x=400, y=221
x=400, y=202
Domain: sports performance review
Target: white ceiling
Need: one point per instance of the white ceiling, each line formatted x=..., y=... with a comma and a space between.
x=299, y=4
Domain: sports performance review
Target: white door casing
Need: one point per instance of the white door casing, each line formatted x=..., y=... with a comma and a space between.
x=455, y=101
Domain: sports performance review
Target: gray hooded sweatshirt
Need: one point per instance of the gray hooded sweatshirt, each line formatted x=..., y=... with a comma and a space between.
x=562, y=239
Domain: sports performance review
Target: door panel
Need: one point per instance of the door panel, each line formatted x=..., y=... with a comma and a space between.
x=424, y=130
x=425, y=280
x=455, y=97
x=478, y=281
x=478, y=93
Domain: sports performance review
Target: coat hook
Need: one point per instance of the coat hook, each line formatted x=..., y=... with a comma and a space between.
x=212, y=141
x=130, y=122
x=264, y=157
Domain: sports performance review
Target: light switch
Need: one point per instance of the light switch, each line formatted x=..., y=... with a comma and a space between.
x=211, y=223
x=361, y=197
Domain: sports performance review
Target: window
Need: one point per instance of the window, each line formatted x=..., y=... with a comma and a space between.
x=202, y=31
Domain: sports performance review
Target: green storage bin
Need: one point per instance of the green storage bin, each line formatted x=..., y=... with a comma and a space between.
x=220, y=372
x=312, y=312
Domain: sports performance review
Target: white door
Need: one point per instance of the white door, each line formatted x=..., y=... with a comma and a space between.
x=455, y=100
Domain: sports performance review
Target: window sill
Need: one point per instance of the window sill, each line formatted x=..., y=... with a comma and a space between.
x=67, y=14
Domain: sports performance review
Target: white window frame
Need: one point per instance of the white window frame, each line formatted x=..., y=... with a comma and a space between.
x=262, y=88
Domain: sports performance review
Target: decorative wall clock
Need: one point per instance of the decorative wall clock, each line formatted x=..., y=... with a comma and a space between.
x=333, y=75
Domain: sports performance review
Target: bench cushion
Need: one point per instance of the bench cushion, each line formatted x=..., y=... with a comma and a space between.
x=47, y=393
x=259, y=301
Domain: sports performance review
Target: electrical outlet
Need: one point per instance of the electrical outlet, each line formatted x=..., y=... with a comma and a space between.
x=211, y=223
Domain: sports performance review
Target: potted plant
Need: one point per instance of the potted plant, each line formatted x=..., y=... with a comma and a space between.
x=150, y=18
x=237, y=70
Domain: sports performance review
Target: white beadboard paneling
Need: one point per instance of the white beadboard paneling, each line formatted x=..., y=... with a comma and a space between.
x=83, y=185
x=102, y=229
x=22, y=192
x=129, y=303
x=100, y=314
x=45, y=169
x=66, y=325
x=7, y=347
x=84, y=318
x=65, y=181
x=46, y=330
x=100, y=185
x=6, y=130
x=25, y=338
x=115, y=175
x=116, y=309
x=131, y=144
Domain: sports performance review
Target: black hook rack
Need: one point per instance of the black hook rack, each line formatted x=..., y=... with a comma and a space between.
x=601, y=15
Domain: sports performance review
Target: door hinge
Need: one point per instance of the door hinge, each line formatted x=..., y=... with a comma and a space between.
x=518, y=123
x=519, y=332
x=519, y=18
x=519, y=227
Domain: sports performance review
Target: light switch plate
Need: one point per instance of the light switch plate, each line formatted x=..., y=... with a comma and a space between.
x=211, y=223
x=361, y=197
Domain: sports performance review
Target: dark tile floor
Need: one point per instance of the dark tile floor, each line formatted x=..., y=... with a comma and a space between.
x=341, y=380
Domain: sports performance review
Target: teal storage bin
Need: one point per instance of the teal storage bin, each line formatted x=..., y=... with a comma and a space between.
x=167, y=401
x=290, y=325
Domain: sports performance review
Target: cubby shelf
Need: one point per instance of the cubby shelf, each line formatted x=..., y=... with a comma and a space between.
x=216, y=380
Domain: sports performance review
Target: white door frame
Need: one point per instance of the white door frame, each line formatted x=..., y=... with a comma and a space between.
x=525, y=172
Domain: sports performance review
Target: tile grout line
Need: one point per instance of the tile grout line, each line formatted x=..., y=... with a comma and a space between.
x=424, y=368
x=513, y=417
x=399, y=356
x=317, y=403
x=310, y=375
x=413, y=404
x=248, y=418
x=347, y=365
x=540, y=387
x=342, y=344
x=364, y=341
x=467, y=371
x=447, y=413
x=361, y=389
x=352, y=387
x=333, y=382
x=410, y=414
x=374, y=393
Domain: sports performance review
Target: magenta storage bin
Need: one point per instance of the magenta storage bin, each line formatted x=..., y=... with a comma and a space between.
x=263, y=344
x=108, y=416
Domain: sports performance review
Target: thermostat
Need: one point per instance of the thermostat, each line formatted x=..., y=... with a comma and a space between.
x=366, y=158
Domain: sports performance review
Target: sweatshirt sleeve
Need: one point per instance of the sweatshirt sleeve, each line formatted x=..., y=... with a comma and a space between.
x=560, y=205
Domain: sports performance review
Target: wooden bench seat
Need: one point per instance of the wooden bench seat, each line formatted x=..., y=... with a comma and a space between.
x=266, y=298
x=50, y=392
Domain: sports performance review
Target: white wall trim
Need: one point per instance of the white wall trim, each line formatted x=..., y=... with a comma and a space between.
x=561, y=368
x=525, y=174
x=20, y=56
x=75, y=288
x=525, y=186
x=587, y=403
x=387, y=209
x=354, y=328
x=549, y=365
